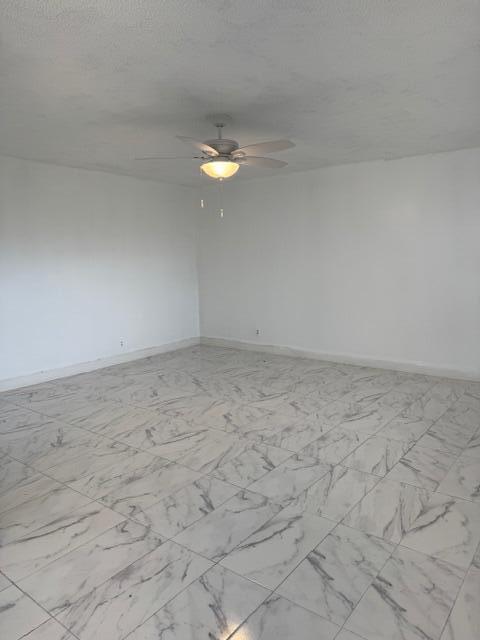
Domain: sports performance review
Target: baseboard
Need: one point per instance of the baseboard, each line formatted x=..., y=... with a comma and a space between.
x=101, y=363
x=343, y=358
x=83, y=367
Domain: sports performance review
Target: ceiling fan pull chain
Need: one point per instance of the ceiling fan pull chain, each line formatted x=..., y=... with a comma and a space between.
x=220, y=196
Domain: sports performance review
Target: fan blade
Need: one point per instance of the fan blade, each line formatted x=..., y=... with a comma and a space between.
x=255, y=161
x=171, y=158
x=210, y=151
x=264, y=147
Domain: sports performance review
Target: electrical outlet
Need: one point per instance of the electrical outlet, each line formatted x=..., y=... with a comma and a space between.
x=122, y=342
x=257, y=331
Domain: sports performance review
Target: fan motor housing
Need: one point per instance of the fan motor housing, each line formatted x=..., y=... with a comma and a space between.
x=224, y=146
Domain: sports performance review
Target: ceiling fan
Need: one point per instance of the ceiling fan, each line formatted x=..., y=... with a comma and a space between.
x=223, y=157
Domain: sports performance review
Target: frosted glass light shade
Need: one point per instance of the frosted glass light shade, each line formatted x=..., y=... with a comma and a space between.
x=220, y=168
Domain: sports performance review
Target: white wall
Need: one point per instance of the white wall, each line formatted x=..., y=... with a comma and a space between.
x=88, y=259
x=374, y=261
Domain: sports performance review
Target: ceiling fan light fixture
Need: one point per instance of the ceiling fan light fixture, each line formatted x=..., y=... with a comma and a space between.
x=219, y=169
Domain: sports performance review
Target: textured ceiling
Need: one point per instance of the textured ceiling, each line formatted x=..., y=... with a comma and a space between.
x=95, y=83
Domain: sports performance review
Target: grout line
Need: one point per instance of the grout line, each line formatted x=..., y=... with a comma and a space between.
x=51, y=616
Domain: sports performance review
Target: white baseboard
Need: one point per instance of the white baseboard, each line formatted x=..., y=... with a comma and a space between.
x=83, y=367
x=101, y=363
x=343, y=358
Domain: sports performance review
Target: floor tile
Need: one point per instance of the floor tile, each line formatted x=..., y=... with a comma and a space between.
x=18, y=614
x=251, y=464
x=288, y=405
x=290, y=478
x=464, y=620
x=170, y=437
x=463, y=414
x=388, y=510
x=24, y=520
x=410, y=599
x=19, y=483
x=345, y=634
x=20, y=421
x=77, y=573
x=370, y=419
x=50, y=630
x=37, y=547
x=422, y=467
x=183, y=399
x=67, y=402
x=431, y=406
x=363, y=394
x=376, y=455
x=345, y=410
x=416, y=385
x=443, y=395
x=240, y=392
x=211, y=607
x=5, y=404
x=180, y=404
x=93, y=414
x=473, y=446
x=337, y=492
x=225, y=415
x=256, y=461
x=51, y=444
x=178, y=511
x=407, y=427
x=140, y=428
x=335, y=575
x=131, y=491
x=38, y=393
x=335, y=445
x=291, y=434
x=202, y=450
x=280, y=619
x=446, y=528
x=105, y=480
x=4, y=582
x=463, y=479
x=476, y=558
x=447, y=436
x=471, y=394
x=218, y=533
x=273, y=550
x=95, y=456
x=119, y=605
x=146, y=429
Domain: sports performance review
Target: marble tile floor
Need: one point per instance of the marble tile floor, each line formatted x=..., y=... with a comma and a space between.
x=217, y=494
